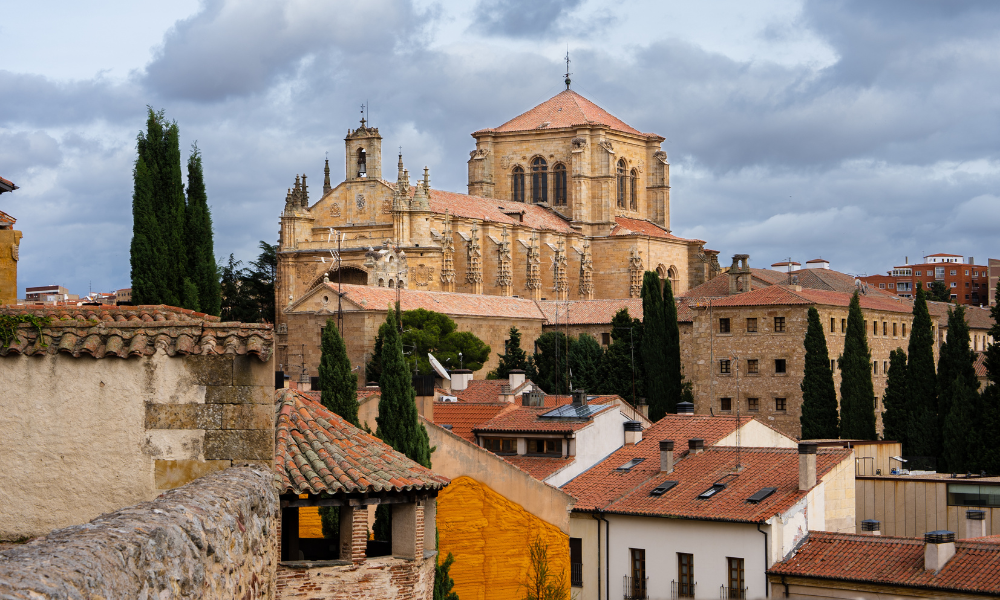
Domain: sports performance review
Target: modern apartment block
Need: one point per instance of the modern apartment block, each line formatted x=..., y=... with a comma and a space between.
x=967, y=282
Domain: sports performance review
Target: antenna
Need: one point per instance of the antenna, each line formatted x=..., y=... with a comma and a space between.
x=567, y=67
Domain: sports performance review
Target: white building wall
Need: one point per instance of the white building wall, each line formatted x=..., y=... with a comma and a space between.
x=604, y=435
x=755, y=434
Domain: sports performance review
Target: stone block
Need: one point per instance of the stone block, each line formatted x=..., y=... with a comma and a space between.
x=210, y=369
x=170, y=474
x=239, y=394
x=183, y=416
x=239, y=444
x=250, y=370
x=248, y=416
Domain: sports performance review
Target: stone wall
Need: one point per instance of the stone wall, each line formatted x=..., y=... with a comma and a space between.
x=375, y=578
x=10, y=239
x=213, y=538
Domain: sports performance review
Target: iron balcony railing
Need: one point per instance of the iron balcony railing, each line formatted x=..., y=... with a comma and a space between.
x=635, y=588
x=682, y=590
x=576, y=574
x=728, y=593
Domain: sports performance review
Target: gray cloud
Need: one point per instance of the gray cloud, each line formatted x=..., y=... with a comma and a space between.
x=528, y=18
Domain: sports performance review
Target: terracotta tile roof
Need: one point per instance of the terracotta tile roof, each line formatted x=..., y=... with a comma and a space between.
x=718, y=287
x=7, y=184
x=601, y=484
x=317, y=452
x=779, y=295
x=565, y=109
x=5, y=218
x=976, y=317
x=538, y=467
x=464, y=417
x=527, y=419
x=825, y=279
x=627, y=226
x=317, y=396
x=980, y=365
x=589, y=312
x=762, y=467
x=481, y=390
x=941, y=254
x=369, y=297
x=496, y=211
x=894, y=561
x=124, y=331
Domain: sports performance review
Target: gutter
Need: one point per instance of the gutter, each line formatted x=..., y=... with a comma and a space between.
x=767, y=584
x=594, y=515
x=607, y=556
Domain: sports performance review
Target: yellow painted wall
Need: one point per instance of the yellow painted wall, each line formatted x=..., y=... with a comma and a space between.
x=309, y=523
x=489, y=537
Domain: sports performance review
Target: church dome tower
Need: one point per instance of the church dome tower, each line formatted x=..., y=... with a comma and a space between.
x=363, y=153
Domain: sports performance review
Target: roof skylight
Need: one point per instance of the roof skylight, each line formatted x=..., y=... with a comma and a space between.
x=628, y=466
x=715, y=489
x=663, y=488
x=761, y=495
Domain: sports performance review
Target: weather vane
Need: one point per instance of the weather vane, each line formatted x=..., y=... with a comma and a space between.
x=567, y=67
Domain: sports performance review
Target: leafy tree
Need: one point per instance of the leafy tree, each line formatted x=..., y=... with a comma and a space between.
x=373, y=368
x=247, y=294
x=398, y=423
x=938, y=292
x=672, y=364
x=338, y=382
x=427, y=331
x=443, y=582
x=955, y=360
x=551, y=360
x=201, y=268
x=514, y=357
x=585, y=362
x=819, y=395
x=895, y=417
x=654, y=346
x=922, y=433
x=962, y=447
x=622, y=367
x=857, y=394
x=540, y=582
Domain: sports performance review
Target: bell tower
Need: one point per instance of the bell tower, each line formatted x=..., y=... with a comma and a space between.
x=364, y=153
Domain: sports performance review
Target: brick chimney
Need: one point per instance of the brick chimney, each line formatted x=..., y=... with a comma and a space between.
x=579, y=398
x=460, y=379
x=939, y=547
x=975, y=523
x=696, y=446
x=633, y=432
x=666, y=456
x=515, y=378
x=807, y=466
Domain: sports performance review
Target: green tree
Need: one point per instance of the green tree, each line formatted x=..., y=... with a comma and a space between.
x=443, y=582
x=622, y=366
x=895, y=418
x=514, y=357
x=398, y=422
x=819, y=395
x=147, y=264
x=955, y=359
x=201, y=268
x=922, y=433
x=540, y=582
x=585, y=362
x=551, y=360
x=373, y=368
x=338, y=382
x=247, y=294
x=654, y=346
x=962, y=447
x=672, y=364
x=989, y=422
x=938, y=292
x=857, y=394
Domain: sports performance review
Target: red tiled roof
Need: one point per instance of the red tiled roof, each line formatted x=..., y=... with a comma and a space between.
x=8, y=184
x=124, y=331
x=976, y=317
x=565, y=109
x=778, y=295
x=589, y=312
x=816, y=260
x=601, y=484
x=481, y=390
x=762, y=467
x=495, y=210
x=369, y=297
x=894, y=561
x=317, y=451
x=464, y=417
x=538, y=467
x=980, y=365
x=528, y=419
x=5, y=218
x=718, y=287
x=950, y=255
x=627, y=226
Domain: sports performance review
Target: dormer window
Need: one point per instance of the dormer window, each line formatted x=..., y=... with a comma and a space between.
x=362, y=163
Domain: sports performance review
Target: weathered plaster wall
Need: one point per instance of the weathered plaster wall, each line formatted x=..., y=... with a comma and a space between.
x=84, y=436
x=10, y=239
x=377, y=578
x=758, y=435
x=213, y=538
x=604, y=435
x=839, y=488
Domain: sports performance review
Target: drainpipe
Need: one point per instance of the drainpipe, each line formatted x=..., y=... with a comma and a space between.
x=607, y=557
x=596, y=518
x=766, y=584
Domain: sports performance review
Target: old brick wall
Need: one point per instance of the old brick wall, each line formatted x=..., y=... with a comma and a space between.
x=381, y=578
x=213, y=538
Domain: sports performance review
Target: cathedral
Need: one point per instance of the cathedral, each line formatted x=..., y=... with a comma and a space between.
x=564, y=202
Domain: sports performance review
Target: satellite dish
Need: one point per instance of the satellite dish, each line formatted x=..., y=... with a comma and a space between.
x=440, y=370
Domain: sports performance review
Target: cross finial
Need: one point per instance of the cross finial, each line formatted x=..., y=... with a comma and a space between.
x=362, y=115
x=567, y=67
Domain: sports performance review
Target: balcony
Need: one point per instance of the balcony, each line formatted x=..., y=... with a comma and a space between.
x=635, y=588
x=576, y=574
x=728, y=593
x=682, y=590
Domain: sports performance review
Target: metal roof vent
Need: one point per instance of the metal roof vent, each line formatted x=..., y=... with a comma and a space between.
x=975, y=515
x=685, y=408
x=940, y=536
x=663, y=488
x=870, y=525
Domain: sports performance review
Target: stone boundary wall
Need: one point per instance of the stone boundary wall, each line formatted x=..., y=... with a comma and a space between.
x=212, y=538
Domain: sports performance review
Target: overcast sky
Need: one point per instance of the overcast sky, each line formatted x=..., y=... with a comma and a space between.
x=861, y=132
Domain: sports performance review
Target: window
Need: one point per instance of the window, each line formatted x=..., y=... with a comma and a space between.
x=628, y=466
x=779, y=365
x=606, y=339
x=885, y=367
x=779, y=324
x=833, y=365
x=723, y=325
x=636, y=588
x=724, y=366
x=843, y=325
x=500, y=445
x=576, y=562
x=539, y=180
x=622, y=183
x=918, y=273
x=894, y=329
x=938, y=273
x=726, y=404
x=685, y=575
x=885, y=328
x=954, y=272
x=752, y=325
x=362, y=161
x=780, y=405
x=874, y=327
x=966, y=272
x=735, y=572
x=904, y=329
x=875, y=367
x=633, y=190
x=966, y=284
x=544, y=446
x=954, y=284
x=559, y=172
x=980, y=496
x=753, y=404
x=517, y=184
x=833, y=325
x=881, y=286
x=891, y=286
x=753, y=366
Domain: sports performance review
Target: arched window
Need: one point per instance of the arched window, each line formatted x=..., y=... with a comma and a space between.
x=362, y=162
x=392, y=283
x=560, y=183
x=633, y=199
x=539, y=180
x=517, y=184
x=621, y=183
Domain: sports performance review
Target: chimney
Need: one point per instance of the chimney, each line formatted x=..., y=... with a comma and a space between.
x=685, y=409
x=666, y=456
x=696, y=446
x=975, y=523
x=939, y=547
x=579, y=398
x=506, y=395
x=460, y=379
x=515, y=378
x=972, y=261
x=807, y=466
x=305, y=382
x=871, y=526
x=533, y=398
x=633, y=432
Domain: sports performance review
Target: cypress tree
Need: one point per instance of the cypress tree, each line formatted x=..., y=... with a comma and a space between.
x=955, y=360
x=654, y=346
x=339, y=384
x=623, y=358
x=672, y=364
x=962, y=445
x=170, y=208
x=551, y=361
x=585, y=363
x=896, y=416
x=514, y=357
x=922, y=433
x=146, y=262
x=398, y=422
x=201, y=268
x=819, y=395
x=989, y=422
x=857, y=394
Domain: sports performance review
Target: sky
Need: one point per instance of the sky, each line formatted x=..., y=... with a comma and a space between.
x=861, y=132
